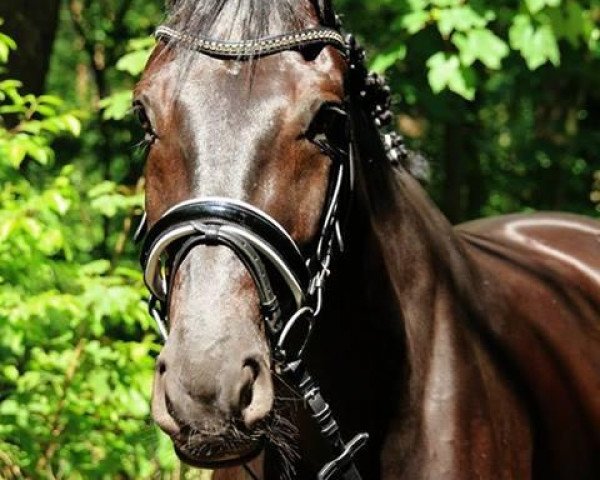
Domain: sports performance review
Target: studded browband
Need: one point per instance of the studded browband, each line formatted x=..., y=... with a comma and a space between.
x=248, y=49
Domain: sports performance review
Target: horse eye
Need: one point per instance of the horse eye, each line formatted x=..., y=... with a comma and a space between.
x=330, y=125
x=144, y=121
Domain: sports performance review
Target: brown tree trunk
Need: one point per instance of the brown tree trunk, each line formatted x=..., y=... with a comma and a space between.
x=32, y=24
x=475, y=179
x=477, y=189
x=464, y=190
x=454, y=169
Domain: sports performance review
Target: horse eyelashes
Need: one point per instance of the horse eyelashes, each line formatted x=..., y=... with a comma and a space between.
x=330, y=125
x=144, y=121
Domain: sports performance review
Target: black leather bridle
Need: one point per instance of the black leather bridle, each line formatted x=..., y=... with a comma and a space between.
x=268, y=252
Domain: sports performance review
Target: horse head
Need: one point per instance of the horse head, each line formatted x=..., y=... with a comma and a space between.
x=256, y=130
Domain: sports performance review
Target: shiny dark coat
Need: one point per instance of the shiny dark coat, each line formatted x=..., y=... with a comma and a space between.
x=470, y=352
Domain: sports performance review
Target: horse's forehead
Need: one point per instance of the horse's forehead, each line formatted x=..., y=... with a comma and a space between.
x=219, y=90
x=239, y=88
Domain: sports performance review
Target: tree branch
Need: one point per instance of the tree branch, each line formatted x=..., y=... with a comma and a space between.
x=56, y=428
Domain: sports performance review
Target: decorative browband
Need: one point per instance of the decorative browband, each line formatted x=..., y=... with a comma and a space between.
x=247, y=49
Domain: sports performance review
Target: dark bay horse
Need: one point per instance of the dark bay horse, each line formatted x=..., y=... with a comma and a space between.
x=466, y=352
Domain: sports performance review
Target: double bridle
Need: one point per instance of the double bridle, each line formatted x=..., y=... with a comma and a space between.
x=265, y=248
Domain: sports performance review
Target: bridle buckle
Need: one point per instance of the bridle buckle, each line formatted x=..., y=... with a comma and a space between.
x=156, y=312
x=341, y=463
x=282, y=352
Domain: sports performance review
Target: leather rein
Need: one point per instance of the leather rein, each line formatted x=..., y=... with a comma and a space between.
x=267, y=251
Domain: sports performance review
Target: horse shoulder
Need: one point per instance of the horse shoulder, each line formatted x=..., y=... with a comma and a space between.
x=540, y=277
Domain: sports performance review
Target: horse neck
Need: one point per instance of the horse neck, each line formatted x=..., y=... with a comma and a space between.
x=399, y=338
x=429, y=276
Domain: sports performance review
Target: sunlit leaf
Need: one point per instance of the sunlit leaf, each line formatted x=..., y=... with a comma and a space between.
x=134, y=63
x=446, y=72
x=382, y=62
x=482, y=45
x=117, y=106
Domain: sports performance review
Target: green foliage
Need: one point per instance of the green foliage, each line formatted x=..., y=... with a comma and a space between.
x=485, y=32
x=39, y=121
x=118, y=105
x=6, y=45
x=537, y=45
x=446, y=71
x=500, y=95
x=139, y=52
x=75, y=342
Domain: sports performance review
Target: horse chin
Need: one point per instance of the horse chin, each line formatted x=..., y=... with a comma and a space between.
x=201, y=457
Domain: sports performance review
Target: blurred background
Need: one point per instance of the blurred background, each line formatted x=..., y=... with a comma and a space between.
x=502, y=96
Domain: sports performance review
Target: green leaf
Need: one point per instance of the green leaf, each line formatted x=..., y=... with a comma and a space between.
x=535, y=6
x=96, y=268
x=446, y=72
x=134, y=62
x=462, y=18
x=9, y=407
x=4, y=52
x=8, y=41
x=46, y=110
x=446, y=3
x=143, y=43
x=103, y=188
x=117, y=106
x=384, y=61
x=73, y=124
x=482, y=45
x=546, y=43
x=11, y=373
x=441, y=68
x=10, y=84
x=16, y=153
x=415, y=21
x=537, y=46
x=50, y=100
x=99, y=384
x=417, y=4
x=521, y=31
x=6, y=45
x=12, y=109
x=51, y=242
x=572, y=23
x=34, y=127
x=58, y=203
x=41, y=153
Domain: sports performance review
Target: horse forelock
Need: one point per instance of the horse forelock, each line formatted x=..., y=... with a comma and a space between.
x=237, y=20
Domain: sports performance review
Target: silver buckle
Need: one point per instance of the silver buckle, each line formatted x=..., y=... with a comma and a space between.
x=157, y=315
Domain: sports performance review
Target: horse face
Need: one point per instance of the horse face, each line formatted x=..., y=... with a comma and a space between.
x=234, y=130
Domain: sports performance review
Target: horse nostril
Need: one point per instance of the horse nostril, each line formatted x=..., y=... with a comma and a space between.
x=169, y=405
x=162, y=409
x=254, y=367
x=161, y=367
x=250, y=371
x=256, y=392
x=246, y=394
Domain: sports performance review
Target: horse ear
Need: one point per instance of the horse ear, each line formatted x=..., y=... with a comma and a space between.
x=329, y=13
x=326, y=12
